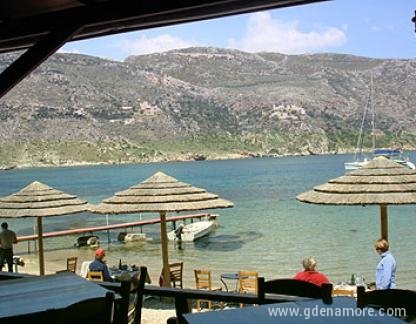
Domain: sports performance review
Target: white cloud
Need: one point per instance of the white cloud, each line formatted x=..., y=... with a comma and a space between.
x=271, y=35
x=145, y=45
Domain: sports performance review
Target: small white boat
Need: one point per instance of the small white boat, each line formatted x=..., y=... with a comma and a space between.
x=191, y=232
x=355, y=164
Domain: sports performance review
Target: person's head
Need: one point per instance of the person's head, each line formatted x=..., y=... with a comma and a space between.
x=381, y=246
x=4, y=225
x=99, y=253
x=309, y=264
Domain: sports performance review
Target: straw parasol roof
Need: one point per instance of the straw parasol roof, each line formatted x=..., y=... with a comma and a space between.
x=39, y=200
x=161, y=193
x=379, y=182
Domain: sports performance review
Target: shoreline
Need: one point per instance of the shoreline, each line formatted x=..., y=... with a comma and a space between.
x=233, y=156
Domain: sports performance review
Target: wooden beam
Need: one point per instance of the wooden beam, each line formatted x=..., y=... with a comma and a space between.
x=34, y=56
x=112, y=17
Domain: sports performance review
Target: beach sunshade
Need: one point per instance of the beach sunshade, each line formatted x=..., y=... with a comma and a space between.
x=39, y=200
x=161, y=193
x=379, y=182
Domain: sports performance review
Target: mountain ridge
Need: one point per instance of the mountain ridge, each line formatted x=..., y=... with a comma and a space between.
x=201, y=103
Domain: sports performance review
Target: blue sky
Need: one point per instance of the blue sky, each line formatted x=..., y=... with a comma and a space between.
x=372, y=28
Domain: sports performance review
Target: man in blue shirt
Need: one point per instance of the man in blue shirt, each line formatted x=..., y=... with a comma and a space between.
x=386, y=268
x=99, y=264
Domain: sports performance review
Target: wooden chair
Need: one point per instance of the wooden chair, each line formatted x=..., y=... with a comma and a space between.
x=388, y=298
x=203, y=281
x=247, y=282
x=95, y=276
x=342, y=292
x=71, y=264
x=293, y=287
x=176, y=270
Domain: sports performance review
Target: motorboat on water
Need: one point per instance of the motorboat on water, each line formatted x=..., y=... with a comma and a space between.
x=192, y=231
x=393, y=154
x=396, y=155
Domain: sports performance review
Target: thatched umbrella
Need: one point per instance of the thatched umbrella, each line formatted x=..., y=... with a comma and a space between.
x=380, y=182
x=39, y=200
x=161, y=193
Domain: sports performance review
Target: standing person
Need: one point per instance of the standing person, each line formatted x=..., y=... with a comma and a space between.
x=386, y=268
x=310, y=274
x=99, y=264
x=7, y=239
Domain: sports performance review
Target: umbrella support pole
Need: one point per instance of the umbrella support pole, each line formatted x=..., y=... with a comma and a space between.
x=40, y=239
x=384, y=222
x=164, y=242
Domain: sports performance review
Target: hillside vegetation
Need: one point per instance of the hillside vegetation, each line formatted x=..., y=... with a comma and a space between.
x=201, y=103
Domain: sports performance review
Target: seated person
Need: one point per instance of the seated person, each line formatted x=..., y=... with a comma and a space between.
x=310, y=274
x=99, y=264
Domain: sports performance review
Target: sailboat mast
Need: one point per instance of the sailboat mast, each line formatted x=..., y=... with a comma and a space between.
x=359, y=146
x=373, y=111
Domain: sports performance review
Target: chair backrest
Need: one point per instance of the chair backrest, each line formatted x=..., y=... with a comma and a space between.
x=293, y=287
x=95, y=276
x=135, y=313
x=96, y=310
x=89, y=311
x=71, y=264
x=85, y=266
x=388, y=298
x=176, y=271
x=247, y=281
x=203, y=279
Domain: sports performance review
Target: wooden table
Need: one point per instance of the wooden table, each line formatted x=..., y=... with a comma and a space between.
x=36, y=294
x=310, y=311
x=123, y=275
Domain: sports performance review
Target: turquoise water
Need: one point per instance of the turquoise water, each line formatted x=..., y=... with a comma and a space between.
x=267, y=230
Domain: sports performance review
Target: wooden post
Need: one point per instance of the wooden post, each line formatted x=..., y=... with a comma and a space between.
x=40, y=239
x=384, y=222
x=165, y=255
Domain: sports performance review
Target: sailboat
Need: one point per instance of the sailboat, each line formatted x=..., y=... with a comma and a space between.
x=360, y=158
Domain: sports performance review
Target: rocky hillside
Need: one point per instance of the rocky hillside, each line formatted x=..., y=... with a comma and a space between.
x=201, y=103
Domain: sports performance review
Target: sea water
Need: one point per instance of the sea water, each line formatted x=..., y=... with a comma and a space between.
x=268, y=230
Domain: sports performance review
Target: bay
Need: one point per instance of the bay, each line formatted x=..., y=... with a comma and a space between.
x=268, y=230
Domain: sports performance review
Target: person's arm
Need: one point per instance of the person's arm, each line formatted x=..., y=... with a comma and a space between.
x=106, y=274
x=14, y=238
x=383, y=274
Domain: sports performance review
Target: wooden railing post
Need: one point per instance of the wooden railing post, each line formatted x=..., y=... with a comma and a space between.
x=182, y=307
x=327, y=293
x=260, y=289
x=361, y=297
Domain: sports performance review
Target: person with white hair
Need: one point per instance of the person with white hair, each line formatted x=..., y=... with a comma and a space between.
x=310, y=274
